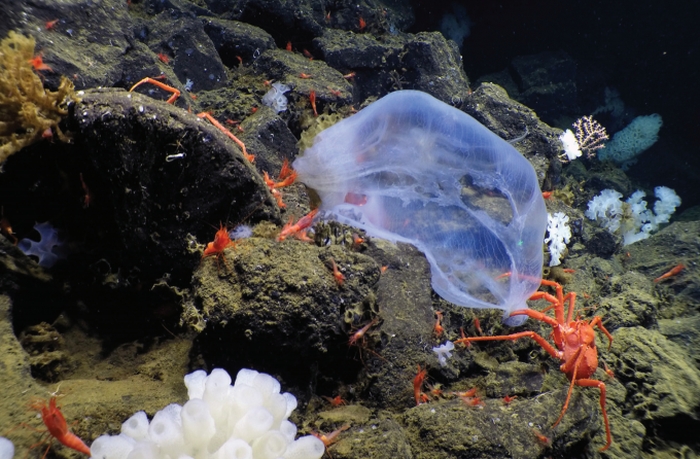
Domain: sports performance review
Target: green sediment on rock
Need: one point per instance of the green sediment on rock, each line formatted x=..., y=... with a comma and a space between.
x=27, y=110
x=317, y=125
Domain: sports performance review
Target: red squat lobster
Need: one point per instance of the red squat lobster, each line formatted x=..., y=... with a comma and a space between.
x=216, y=248
x=56, y=427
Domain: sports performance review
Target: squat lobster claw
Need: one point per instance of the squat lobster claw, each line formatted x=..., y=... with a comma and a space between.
x=575, y=344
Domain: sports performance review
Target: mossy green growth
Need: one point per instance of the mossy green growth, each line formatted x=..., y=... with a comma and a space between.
x=318, y=124
x=27, y=110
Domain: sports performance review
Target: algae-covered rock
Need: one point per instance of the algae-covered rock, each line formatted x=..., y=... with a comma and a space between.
x=277, y=304
x=677, y=243
x=685, y=332
x=27, y=110
x=629, y=302
x=379, y=439
x=451, y=428
x=163, y=175
x=661, y=379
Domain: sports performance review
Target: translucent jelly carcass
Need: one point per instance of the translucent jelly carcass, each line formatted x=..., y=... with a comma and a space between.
x=409, y=168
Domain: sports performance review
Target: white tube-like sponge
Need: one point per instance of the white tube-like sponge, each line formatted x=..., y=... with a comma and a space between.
x=217, y=385
x=117, y=447
x=308, y=447
x=195, y=384
x=276, y=404
x=217, y=390
x=144, y=450
x=289, y=430
x=198, y=425
x=246, y=397
x=136, y=426
x=255, y=422
x=270, y=445
x=245, y=376
x=234, y=448
x=165, y=430
x=275, y=97
x=291, y=403
x=220, y=421
x=266, y=384
x=7, y=449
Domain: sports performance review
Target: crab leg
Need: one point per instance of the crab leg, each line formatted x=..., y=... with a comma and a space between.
x=565, y=368
x=526, y=334
x=600, y=385
x=598, y=322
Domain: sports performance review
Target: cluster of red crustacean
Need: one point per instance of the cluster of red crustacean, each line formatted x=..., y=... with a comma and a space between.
x=574, y=339
x=287, y=176
x=575, y=348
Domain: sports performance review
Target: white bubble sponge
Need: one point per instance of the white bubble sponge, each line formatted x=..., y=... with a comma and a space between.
x=246, y=420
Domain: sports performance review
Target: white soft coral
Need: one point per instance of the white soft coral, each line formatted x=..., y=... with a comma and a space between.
x=606, y=208
x=275, y=97
x=559, y=236
x=571, y=146
x=444, y=352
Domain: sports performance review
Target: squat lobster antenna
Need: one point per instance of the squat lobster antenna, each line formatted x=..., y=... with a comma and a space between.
x=57, y=393
x=174, y=91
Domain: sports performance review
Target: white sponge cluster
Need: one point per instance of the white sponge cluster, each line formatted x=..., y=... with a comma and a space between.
x=246, y=420
x=607, y=209
x=7, y=449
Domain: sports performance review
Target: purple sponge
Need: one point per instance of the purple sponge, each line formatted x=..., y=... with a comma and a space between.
x=47, y=249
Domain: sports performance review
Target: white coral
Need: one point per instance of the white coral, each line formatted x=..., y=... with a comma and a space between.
x=559, y=236
x=571, y=147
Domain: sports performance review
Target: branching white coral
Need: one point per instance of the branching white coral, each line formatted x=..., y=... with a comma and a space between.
x=559, y=236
